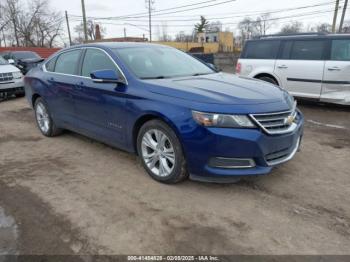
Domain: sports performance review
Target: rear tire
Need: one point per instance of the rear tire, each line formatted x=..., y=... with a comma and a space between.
x=268, y=79
x=44, y=120
x=160, y=152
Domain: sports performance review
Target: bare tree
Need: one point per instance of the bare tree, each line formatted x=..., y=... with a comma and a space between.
x=34, y=24
x=324, y=28
x=182, y=37
x=4, y=21
x=247, y=29
x=163, y=33
x=346, y=27
x=11, y=14
x=215, y=26
x=263, y=23
x=292, y=28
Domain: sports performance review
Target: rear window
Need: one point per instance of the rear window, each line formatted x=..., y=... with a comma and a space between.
x=340, y=50
x=261, y=49
x=67, y=62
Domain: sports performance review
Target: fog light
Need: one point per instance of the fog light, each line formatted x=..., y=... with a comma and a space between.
x=223, y=162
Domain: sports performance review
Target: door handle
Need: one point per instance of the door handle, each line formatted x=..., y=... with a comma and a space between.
x=282, y=67
x=334, y=68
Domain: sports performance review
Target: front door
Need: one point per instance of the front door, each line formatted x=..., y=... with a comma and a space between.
x=300, y=67
x=336, y=80
x=100, y=107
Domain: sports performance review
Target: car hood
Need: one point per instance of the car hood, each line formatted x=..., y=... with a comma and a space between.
x=8, y=69
x=220, y=88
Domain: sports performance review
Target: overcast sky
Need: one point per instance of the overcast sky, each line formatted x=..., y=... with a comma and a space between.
x=185, y=20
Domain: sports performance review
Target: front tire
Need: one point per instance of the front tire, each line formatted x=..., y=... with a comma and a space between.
x=161, y=153
x=44, y=120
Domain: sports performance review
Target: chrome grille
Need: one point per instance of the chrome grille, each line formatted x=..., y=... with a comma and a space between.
x=6, y=77
x=277, y=122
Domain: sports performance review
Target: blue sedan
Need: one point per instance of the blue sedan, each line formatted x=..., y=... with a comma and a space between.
x=179, y=115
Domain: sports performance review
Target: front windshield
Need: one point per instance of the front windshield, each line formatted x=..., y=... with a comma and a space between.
x=3, y=61
x=26, y=55
x=161, y=62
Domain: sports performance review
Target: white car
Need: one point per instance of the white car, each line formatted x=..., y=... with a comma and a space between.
x=11, y=79
x=314, y=66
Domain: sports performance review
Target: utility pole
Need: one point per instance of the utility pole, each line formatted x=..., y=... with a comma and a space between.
x=335, y=16
x=124, y=32
x=84, y=20
x=70, y=38
x=149, y=3
x=343, y=16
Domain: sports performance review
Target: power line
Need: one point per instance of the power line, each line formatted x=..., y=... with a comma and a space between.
x=229, y=17
x=178, y=11
x=161, y=10
x=236, y=23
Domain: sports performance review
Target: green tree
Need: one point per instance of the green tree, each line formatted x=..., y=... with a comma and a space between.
x=202, y=25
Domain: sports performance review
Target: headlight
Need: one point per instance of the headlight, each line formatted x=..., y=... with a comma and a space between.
x=222, y=120
x=17, y=75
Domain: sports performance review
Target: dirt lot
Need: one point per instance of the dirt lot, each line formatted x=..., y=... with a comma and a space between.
x=71, y=195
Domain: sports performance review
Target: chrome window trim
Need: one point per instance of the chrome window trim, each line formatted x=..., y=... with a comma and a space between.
x=85, y=77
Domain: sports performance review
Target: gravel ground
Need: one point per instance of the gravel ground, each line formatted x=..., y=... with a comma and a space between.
x=72, y=195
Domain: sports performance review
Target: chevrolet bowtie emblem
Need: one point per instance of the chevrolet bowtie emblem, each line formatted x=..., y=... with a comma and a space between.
x=289, y=120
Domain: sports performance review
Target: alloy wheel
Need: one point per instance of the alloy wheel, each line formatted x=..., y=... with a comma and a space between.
x=158, y=153
x=42, y=117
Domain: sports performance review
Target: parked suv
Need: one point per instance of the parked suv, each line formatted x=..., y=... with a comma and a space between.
x=309, y=66
x=11, y=79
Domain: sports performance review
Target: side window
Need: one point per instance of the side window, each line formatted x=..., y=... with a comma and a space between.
x=67, y=62
x=340, y=50
x=50, y=65
x=287, y=47
x=308, y=50
x=261, y=49
x=96, y=60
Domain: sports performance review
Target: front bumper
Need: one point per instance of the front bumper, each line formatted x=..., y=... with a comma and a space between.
x=265, y=150
x=14, y=86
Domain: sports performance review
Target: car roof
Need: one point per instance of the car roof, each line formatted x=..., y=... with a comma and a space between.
x=302, y=37
x=120, y=45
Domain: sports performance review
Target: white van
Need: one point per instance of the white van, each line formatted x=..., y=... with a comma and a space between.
x=315, y=66
x=11, y=79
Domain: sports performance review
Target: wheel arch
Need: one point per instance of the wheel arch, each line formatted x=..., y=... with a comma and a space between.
x=257, y=76
x=148, y=117
x=35, y=96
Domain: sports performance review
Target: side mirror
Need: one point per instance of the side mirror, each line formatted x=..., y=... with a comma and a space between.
x=11, y=61
x=106, y=76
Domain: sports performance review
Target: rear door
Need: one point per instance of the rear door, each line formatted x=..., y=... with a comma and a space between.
x=336, y=79
x=300, y=66
x=62, y=80
x=259, y=56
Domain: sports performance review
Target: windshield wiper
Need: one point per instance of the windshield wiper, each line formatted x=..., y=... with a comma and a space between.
x=201, y=74
x=153, y=77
